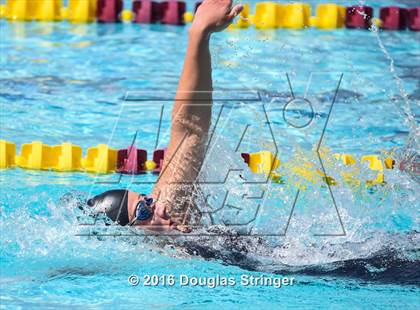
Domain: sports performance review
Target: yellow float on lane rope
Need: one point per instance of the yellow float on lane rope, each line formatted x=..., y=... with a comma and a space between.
x=329, y=16
x=266, y=15
x=150, y=165
x=377, y=22
x=100, y=159
x=188, y=17
x=375, y=164
x=46, y=10
x=81, y=11
x=244, y=20
x=2, y=10
x=35, y=155
x=39, y=10
x=127, y=16
x=389, y=163
x=296, y=15
x=64, y=13
x=263, y=162
x=7, y=154
x=347, y=159
x=67, y=157
x=16, y=9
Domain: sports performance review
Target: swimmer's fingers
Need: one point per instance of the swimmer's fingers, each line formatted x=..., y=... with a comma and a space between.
x=235, y=11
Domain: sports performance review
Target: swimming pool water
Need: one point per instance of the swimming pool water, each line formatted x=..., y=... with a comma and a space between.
x=62, y=82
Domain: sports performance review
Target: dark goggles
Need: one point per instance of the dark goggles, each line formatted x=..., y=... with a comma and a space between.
x=144, y=210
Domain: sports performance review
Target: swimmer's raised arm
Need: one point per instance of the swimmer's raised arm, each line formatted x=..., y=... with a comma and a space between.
x=191, y=114
x=171, y=203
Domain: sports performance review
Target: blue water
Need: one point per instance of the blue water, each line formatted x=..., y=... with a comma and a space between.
x=62, y=82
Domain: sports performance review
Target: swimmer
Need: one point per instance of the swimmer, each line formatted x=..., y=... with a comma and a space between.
x=171, y=205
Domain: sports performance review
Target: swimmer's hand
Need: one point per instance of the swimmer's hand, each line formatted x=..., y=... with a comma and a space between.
x=214, y=15
x=183, y=228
